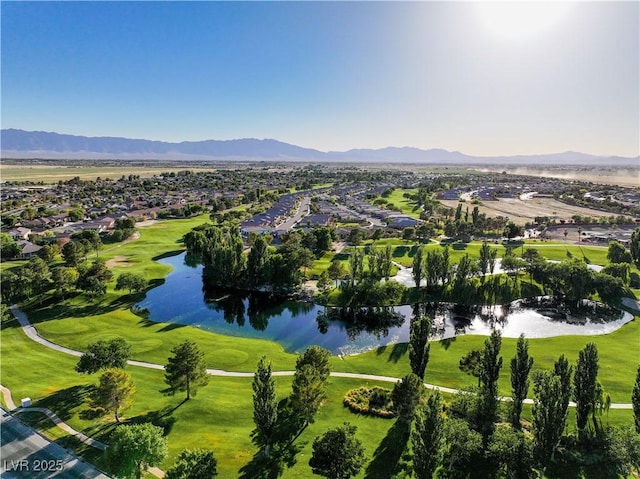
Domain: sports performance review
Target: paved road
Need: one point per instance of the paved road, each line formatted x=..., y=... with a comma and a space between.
x=27, y=455
x=31, y=332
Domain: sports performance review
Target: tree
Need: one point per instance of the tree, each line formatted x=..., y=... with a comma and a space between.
x=193, y=464
x=8, y=247
x=317, y=357
x=356, y=265
x=427, y=437
x=324, y=282
x=104, y=355
x=73, y=253
x=132, y=449
x=617, y=253
x=418, y=265
x=132, y=282
x=490, y=365
x=338, y=453
x=405, y=396
x=459, y=447
x=64, y=279
x=564, y=371
x=186, y=369
x=257, y=262
x=409, y=233
x=336, y=271
x=549, y=416
x=521, y=365
x=635, y=401
x=585, y=384
x=512, y=451
x=94, y=279
x=634, y=246
x=114, y=391
x=265, y=406
x=37, y=273
x=419, y=346
x=307, y=392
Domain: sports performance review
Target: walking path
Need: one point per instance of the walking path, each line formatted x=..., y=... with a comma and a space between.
x=8, y=399
x=32, y=333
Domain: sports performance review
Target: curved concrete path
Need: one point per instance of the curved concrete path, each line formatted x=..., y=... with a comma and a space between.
x=8, y=399
x=32, y=333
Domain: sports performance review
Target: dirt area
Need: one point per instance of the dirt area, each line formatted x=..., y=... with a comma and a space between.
x=118, y=261
x=601, y=175
x=522, y=211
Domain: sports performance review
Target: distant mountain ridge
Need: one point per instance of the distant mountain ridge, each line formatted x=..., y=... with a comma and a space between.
x=37, y=144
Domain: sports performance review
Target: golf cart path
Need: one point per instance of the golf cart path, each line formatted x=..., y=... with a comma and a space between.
x=8, y=399
x=32, y=334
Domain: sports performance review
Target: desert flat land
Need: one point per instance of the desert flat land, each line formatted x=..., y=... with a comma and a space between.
x=522, y=211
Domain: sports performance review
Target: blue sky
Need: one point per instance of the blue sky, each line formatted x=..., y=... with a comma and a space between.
x=481, y=78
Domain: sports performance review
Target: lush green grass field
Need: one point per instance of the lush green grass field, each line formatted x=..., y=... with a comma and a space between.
x=220, y=417
x=406, y=205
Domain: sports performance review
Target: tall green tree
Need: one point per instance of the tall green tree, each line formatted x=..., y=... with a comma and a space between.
x=521, y=365
x=564, y=371
x=186, y=369
x=426, y=439
x=418, y=265
x=356, y=264
x=491, y=363
x=585, y=383
x=634, y=247
x=549, y=417
x=265, y=406
x=114, y=391
x=419, y=346
x=405, y=396
x=104, y=355
x=132, y=449
x=317, y=357
x=635, y=400
x=338, y=453
x=257, y=262
x=336, y=271
x=308, y=391
x=193, y=464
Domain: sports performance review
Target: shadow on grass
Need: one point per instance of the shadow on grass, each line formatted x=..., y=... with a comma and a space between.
x=398, y=350
x=446, y=343
x=168, y=254
x=283, y=450
x=400, y=251
x=386, y=458
x=52, y=308
x=171, y=327
x=64, y=401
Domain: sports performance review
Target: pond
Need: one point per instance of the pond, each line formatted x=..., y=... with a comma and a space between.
x=297, y=325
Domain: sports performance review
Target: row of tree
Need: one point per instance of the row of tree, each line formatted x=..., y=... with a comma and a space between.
x=221, y=250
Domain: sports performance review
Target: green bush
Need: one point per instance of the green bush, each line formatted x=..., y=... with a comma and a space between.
x=373, y=401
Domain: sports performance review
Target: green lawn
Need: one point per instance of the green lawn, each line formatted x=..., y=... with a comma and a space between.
x=220, y=416
x=406, y=205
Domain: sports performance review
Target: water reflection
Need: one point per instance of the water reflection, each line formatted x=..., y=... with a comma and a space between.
x=377, y=321
x=296, y=325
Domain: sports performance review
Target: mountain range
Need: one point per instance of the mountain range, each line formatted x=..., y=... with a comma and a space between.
x=37, y=144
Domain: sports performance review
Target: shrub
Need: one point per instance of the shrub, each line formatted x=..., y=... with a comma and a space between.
x=373, y=401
